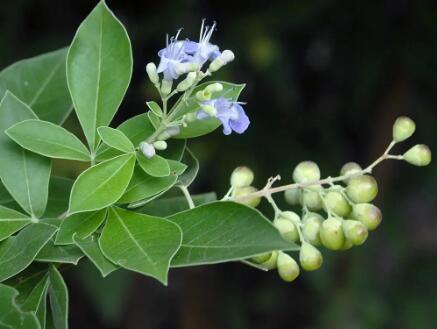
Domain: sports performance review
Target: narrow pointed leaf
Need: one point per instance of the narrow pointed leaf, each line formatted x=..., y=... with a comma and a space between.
x=101, y=185
x=11, y=221
x=25, y=174
x=99, y=69
x=32, y=292
x=48, y=139
x=224, y=231
x=41, y=83
x=116, y=139
x=155, y=108
x=140, y=243
x=155, y=166
x=58, y=294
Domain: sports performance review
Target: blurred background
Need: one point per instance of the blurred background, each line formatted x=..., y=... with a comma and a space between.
x=325, y=81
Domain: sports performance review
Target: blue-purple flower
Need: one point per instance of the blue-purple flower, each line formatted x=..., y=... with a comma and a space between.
x=231, y=114
x=203, y=50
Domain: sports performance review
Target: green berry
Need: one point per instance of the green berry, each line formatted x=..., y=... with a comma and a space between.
x=288, y=269
x=290, y=215
x=403, y=128
x=242, y=177
x=287, y=229
x=311, y=228
x=347, y=245
x=306, y=171
x=311, y=199
x=418, y=155
x=271, y=262
x=258, y=259
x=362, y=189
x=355, y=232
x=350, y=168
x=160, y=145
x=368, y=214
x=310, y=257
x=331, y=234
x=293, y=196
x=337, y=203
x=243, y=191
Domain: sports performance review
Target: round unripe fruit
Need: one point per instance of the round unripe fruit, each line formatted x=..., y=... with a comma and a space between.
x=310, y=257
x=362, y=189
x=306, y=171
x=261, y=258
x=311, y=228
x=290, y=215
x=337, y=203
x=347, y=245
x=331, y=234
x=418, y=155
x=403, y=128
x=350, y=168
x=288, y=269
x=355, y=232
x=311, y=199
x=368, y=214
x=271, y=262
x=293, y=196
x=287, y=229
x=243, y=191
x=241, y=177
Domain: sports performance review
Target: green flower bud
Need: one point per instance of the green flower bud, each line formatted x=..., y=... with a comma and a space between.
x=152, y=73
x=187, y=82
x=293, y=196
x=350, y=168
x=214, y=88
x=337, y=203
x=225, y=57
x=331, y=234
x=403, y=128
x=242, y=176
x=291, y=216
x=166, y=86
x=368, y=214
x=288, y=269
x=160, y=145
x=310, y=257
x=271, y=262
x=306, y=171
x=287, y=229
x=355, y=232
x=190, y=117
x=243, y=191
x=258, y=259
x=311, y=228
x=203, y=95
x=311, y=199
x=418, y=155
x=169, y=132
x=362, y=189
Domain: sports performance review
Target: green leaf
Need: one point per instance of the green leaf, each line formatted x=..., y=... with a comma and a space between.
x=154, y=119
x=164, y=207
x=17, y=252
x=48, y=139
x=11, y=316
x=59, y=254
x=137, y=129
x=99, y=69
x=6, y=198
x=32, y=293
x=11, y=221
x=198, y=128
x=102, y=185
x=155, y=166
x=225, y=231
x=176, y=167
x=25, y=175
x=143, y=186
x=58, y=294
x=175, y=149
x=59, y=195
x=193, y=168
x=90, y=247
x=41, y=83
x=140, y=243
x=82, y=224
x=155, y=108
x=116, y=139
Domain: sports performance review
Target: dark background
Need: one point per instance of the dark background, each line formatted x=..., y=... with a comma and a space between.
x=325, y=80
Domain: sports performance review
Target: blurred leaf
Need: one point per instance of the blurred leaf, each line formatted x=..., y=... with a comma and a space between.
x=99, y=69
x=193, y=168
x=58, y=293
x=11, y=221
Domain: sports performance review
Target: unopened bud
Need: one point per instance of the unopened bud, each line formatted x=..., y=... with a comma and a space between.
x=242, y=176
x=311, y=228
x=287, y=229
x=306, y=171
x=147, y=149
x=152, y=73
x=337, y=203
x=258, y=259
x=271, y=262
x=362, y=189
x=225, y=57
x=331, y=234
x=166, y=86
x=246, y=190
x=203, y=95
x=310, y=257
x=160, y=145
x=182, y=68
x=350, y=168
x=403, y=128
x=214, y=88
x=190, y=117
x=355, y=232
x=293, y=196
x=169, y=132
x=418, y=155
x=368, y=214
x=288, y=269
x=187, y=82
